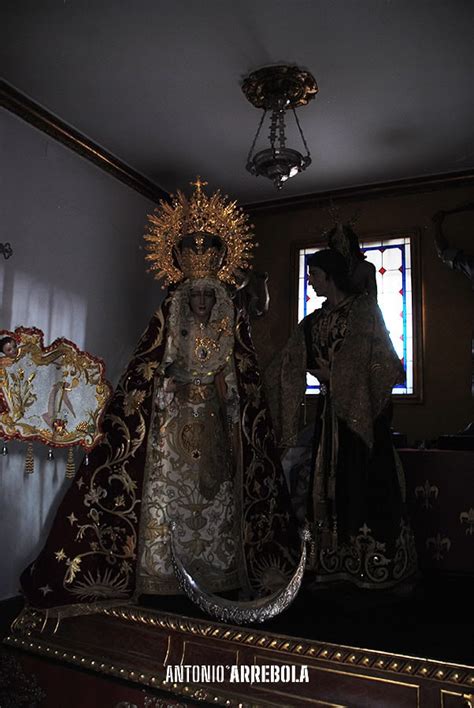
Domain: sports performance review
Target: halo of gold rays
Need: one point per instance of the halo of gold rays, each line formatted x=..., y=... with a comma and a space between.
x=215, y=215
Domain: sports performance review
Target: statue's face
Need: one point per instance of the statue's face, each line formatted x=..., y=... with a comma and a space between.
x=10, y=349
x=318, y=280
x=201, y=301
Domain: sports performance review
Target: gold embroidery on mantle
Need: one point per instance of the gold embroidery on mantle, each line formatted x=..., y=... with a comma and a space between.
x=467, y=517
x=106, y=525
x=438, y=545
x=428, y=493
x=364, y=560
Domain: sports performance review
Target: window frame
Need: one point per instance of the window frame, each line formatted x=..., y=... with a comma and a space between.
x=366, y=237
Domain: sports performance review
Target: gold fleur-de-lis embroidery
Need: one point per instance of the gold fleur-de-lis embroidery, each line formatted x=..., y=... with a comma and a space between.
x=438, y=546
x=427, y=493
x=467, y=517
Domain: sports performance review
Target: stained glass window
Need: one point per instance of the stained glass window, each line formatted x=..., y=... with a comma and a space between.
x=392, y=260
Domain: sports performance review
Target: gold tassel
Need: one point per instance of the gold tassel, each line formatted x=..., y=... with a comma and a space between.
x=334, y=534
x=315, y=544
x=70, y=466
x=29, y=459
x=312, y=554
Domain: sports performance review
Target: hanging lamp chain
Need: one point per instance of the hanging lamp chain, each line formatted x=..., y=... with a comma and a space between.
x=256, y=136
x=308, y=154
x=273, y=129
x=281, y=129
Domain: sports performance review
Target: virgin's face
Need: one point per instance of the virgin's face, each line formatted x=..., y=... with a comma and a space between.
x=201, y=302
x=318, y=280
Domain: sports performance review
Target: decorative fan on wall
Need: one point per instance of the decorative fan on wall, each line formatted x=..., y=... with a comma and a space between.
x=55, y=395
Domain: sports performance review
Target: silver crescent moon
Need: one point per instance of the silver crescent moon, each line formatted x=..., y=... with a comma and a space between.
x=236, y=611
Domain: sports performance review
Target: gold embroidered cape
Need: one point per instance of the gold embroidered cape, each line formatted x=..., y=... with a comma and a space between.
x=363, y=373
x=90, y=556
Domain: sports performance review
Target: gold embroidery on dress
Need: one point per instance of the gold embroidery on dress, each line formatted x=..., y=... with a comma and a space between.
x=190, y=438
x=189, y=468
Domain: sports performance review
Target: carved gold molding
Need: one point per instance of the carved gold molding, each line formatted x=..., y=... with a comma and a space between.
x=197, y=693
x=30, y=111
x=293, y=647
x=468, y=698
x=338, y=659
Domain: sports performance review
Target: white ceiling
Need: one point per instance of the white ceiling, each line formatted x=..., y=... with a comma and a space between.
x=158, y=83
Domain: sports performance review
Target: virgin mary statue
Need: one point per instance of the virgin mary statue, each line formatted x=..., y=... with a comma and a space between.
x=188, y=442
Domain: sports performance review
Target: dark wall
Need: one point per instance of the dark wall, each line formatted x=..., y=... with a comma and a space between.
x=446, y=297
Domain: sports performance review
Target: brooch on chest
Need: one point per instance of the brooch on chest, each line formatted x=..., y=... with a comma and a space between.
x=206, y=345
x=204, y=348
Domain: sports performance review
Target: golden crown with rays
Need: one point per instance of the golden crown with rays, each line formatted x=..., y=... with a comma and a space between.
x=202, y=217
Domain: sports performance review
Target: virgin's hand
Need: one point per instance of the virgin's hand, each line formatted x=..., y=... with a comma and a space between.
x=170, y=385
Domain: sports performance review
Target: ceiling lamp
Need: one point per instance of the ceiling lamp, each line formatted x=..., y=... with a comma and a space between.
x=278, y=89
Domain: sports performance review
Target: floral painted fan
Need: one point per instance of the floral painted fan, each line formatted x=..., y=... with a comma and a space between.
x=55, y=395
